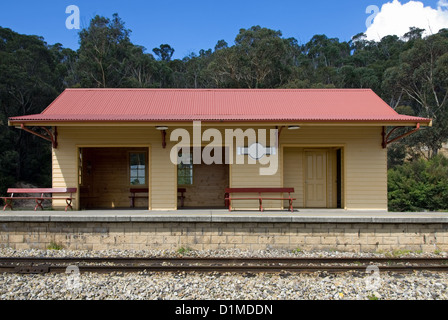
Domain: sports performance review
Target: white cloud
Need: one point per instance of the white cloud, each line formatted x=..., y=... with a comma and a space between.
x=396, y=18
x=442, y=4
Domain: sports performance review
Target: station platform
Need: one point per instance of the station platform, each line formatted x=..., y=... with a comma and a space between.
x=224, y=216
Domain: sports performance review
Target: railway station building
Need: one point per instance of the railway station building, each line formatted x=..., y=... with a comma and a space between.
x=181, y=148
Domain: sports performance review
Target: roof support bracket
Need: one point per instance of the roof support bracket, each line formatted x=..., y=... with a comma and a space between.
x=52, y=135
x=387, y=140
x=163, y=139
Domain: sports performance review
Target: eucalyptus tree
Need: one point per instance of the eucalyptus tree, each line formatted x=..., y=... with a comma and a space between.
x=140, y=69
x=260, y=58
x=29, y=81
x=422, y=76
x=195, y=71
x=104, y=47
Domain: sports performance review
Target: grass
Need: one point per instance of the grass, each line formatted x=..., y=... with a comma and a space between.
x=373, y=297
x=54, y=246
x=398, y=253
x=183, y=250
x=297, y=250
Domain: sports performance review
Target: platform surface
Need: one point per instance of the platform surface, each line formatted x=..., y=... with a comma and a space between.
x=223, y=215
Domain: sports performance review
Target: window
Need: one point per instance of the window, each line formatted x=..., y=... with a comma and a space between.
x=185, y=169
x=137, y=165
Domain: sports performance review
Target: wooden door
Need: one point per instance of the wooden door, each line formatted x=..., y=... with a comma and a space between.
x=315, y=166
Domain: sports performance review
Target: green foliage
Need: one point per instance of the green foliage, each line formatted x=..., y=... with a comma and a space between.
x=164, y=52
x=55, y=246
x=396, y=154
x=30, y=79
x=399, y=253
x=183, y=250
x=104, y=49
x=407, y=110
x=373, y=297
x=419, y=185
x=421, y=73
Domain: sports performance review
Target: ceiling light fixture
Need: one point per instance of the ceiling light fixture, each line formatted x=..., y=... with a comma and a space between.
x=163, y=129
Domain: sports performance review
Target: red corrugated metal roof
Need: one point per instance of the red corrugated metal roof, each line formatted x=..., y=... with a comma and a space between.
x=155, y=105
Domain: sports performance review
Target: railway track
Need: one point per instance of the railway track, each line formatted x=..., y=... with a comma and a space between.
x=240, y=265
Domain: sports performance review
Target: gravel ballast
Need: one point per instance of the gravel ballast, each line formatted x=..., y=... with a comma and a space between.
x=219, y=286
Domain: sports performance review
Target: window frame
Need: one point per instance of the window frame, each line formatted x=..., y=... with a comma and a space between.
x=191, y=170
x=136, y=186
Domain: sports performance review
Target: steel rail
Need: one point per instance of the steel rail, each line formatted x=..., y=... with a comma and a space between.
x=221, y=260
x=119, y=264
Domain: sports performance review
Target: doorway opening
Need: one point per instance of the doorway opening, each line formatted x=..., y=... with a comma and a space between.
x=107, y=175
x=203, y=184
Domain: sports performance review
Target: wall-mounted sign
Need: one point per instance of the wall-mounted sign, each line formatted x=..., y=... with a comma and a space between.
x=256, y=151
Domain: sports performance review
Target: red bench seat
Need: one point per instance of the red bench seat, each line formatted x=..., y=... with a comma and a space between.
x=39, y=199
x=259, y=191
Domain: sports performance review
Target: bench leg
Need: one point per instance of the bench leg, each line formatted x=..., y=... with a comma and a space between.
x=290, y=206
x=69, y=204
x=261, y=204
x=39, y=204
x=8, y=203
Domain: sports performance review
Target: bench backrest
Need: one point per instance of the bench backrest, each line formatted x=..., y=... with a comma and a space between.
x=42, y=190
x=258, y=190
x=140, y=190
x=145, y=190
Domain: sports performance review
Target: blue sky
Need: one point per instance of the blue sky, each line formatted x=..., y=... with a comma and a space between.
x=189, y=26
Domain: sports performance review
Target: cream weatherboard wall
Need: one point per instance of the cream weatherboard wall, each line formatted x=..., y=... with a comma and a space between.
x=161, y=172
x=364, y=162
